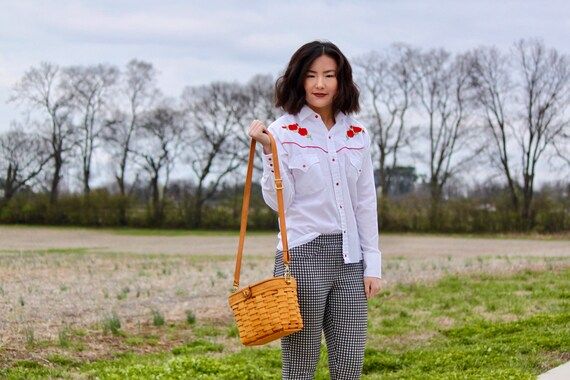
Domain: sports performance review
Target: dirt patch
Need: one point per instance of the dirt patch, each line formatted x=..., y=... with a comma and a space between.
x=409, y=246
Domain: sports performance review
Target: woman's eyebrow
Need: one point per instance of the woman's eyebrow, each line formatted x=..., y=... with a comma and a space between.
x=326, y=71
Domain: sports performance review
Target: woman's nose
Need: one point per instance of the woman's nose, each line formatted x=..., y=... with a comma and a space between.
x=320, y=82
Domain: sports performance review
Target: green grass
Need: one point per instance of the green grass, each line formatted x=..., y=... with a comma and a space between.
x=415, y=309
x=469, y=327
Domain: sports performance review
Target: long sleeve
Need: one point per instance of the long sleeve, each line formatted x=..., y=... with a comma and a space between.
x=367, y=218
x=268, y=178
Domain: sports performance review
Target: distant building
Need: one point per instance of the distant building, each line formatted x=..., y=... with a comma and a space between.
x=402, y=180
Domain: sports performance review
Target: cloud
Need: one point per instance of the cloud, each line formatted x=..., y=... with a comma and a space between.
x=195, y=42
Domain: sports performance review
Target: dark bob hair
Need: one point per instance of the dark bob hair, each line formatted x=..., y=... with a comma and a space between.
x=290, y=90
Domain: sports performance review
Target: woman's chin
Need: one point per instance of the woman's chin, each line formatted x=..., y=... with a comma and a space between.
x=319, y=103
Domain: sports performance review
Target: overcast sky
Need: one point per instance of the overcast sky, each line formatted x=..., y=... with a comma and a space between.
x=195, y=42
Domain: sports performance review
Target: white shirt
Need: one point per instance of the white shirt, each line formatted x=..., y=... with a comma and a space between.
x=328, y=184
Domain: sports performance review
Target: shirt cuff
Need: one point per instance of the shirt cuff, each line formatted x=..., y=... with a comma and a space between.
x=267, y=164
x=372, y=264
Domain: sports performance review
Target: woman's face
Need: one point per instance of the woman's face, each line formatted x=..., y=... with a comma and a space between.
x=321, y=83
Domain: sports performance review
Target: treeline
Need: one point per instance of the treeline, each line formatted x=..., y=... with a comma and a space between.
x=487, y=110
x=483, y=211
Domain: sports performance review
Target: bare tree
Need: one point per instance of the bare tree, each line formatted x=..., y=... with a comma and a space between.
x=40, y=89
x=159, y=146
x=255, y=100
x=260, y=92
x=90, y=88
x=139, y=93
x=562, y=149
x=23, y=156
x=386, y=83
x=524, y=111
x=213, y=144
x=441, y=84
x=545, y=90
x=493, y=83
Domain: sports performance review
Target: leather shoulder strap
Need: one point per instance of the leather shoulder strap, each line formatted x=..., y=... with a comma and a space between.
x=245, y=206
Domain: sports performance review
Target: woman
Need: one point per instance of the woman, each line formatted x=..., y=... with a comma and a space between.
x=330, y=206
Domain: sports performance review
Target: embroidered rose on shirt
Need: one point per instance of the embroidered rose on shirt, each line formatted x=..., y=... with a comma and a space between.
x=353, y=131
x=296, y=128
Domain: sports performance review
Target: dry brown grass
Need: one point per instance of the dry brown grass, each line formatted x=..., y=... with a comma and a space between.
x=55, y=279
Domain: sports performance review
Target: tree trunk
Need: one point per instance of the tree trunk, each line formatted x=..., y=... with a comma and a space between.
x=121, y=176
x=434, y=212
x=9, y=184
x=383, y=174
x=196, y=221
x=156, y=203
x=123, y=220
x=527, y=218
x=54, y=193
x=86, y=175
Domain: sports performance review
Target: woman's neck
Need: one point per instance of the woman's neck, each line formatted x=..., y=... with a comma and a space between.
x=326, y=115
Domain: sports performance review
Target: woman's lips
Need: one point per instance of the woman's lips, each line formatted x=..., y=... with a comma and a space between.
x=320, y=95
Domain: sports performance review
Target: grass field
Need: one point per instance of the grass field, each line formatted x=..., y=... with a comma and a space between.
x=80, y=312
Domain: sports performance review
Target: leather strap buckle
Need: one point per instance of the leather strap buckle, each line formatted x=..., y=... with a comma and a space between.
x=287, y=274
x=278, y=184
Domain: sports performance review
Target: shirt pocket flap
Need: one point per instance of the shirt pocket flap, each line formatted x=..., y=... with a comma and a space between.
x=355, y=160
x=303, y=161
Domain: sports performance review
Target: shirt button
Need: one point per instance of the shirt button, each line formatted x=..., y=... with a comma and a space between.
x=304, y=166
x=337, y=183
x=316, y=116
x=340, y=206
x=333, y=159
x=270, y=164
x=330, y=137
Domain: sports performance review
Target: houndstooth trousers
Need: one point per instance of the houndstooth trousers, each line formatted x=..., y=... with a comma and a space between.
x=331, y=298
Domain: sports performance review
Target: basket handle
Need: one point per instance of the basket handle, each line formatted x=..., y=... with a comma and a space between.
x=245, y=208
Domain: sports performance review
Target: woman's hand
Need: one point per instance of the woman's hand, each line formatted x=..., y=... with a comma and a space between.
x=371, y=286
x=256, y=132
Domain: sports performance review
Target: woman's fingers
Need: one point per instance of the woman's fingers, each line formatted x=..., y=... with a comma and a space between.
x=256, y=127
x=371, y=286
x=256, y=130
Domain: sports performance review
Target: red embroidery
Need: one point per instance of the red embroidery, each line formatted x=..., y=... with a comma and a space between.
x=353, y=131
x=295, y=128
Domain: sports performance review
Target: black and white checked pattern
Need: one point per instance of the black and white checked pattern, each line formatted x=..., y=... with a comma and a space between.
x=331, y=298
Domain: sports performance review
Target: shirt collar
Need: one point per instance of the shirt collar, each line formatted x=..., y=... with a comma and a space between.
x=306, y=112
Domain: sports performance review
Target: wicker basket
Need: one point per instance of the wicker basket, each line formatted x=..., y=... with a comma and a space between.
x=266, y=310
x=269, y=309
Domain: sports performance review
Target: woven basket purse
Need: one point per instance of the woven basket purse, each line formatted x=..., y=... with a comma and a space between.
x=269, y=309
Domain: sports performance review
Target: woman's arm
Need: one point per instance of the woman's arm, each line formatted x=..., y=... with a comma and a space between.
x=367, y=217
